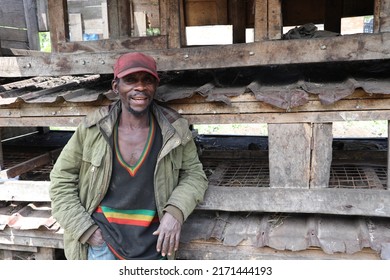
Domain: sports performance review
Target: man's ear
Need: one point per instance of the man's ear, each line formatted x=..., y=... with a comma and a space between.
x=114, y=85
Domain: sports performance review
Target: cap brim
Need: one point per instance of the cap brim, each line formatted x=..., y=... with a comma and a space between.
x=135, y=70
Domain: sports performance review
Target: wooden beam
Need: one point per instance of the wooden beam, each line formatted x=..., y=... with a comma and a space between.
x=29, y=165
x=216, y=250
x=116, y=45
x=58, y=22
x=297, y=200
x=278, y=52
x=251, y=199
x=34, y=238
x=71, y=120
x=302, y=117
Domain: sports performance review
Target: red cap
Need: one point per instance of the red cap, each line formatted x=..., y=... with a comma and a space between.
x=135, y=62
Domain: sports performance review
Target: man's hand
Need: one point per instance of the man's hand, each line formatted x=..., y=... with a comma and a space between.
x=96, y=239
x=168, y=235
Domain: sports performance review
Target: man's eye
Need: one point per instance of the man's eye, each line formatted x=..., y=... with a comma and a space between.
x=130, y=80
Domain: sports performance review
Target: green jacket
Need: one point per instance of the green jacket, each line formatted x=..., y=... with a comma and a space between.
x=81, y=175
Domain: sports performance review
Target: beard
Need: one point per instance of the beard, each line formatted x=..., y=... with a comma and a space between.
x=139, y=113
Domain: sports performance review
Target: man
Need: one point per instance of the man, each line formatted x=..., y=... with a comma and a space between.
x=129, y=176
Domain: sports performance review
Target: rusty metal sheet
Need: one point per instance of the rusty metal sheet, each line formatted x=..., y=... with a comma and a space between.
x=294, y=232
x=23, y=217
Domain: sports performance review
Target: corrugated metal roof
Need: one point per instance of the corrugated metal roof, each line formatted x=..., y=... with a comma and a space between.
x=28, y=215
x=285, y=87
x=291, y=232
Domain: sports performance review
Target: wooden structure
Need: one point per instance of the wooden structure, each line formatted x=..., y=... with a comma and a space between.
x=298, y=87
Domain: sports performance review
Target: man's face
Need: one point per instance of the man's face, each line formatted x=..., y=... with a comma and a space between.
x=136, y=91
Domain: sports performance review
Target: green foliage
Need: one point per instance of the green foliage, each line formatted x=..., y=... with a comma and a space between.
x=44, y=41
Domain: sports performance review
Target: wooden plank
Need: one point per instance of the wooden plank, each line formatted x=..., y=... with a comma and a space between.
x=58, y=22
x=42, y=15
x=279, y=52
x=75, y=27
x=70, y=121
x=49, y=111
x=139, y=24
x=289, y=155
x=30, y=11
x=261, y=20
x=106, y=33
x=9, y=34
x=66, y=116
x=12, y=14
x=116, y=45
x=113, y=19
x=297, y=200
x=23, y=248
x=125, y=18
x=216, y=250
x=301, y=117
x=29, y=165
x=275, y=23
x=119, y=18
x=1, y=153
x=13, y=190
x=35, y=238
x=321, y=156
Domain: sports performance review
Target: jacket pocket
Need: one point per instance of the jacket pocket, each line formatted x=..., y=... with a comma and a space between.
x=176, y=157
x=91, y=176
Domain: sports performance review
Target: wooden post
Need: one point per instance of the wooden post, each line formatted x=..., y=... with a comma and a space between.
x=30, y=13
x=237, y=17
x=388, y=155
x=275, y=23
x=261, y=20
x=58, y=17
x=1, y=152
x=289, y=155
x=173, y=19
x=384, y=16
x=163, y=16
x=321, y=155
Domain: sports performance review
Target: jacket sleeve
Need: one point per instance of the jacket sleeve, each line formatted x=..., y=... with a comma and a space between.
x=67, y=208
x=192, y=183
